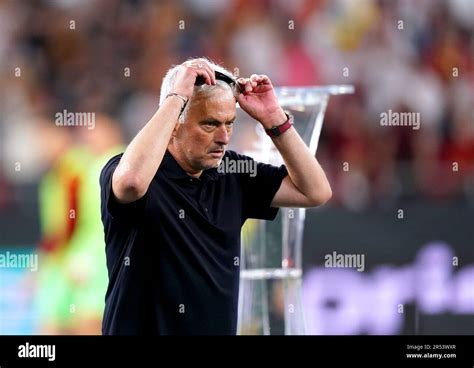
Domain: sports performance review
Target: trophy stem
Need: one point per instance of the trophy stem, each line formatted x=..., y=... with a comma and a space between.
x=270, y=298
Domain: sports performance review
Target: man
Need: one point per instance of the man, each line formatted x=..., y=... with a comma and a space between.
x=172, y=221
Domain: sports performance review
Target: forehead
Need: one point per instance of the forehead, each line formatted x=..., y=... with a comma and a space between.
x=217, y=102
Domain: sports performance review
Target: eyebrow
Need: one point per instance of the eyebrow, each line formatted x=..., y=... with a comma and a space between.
x=214, y=121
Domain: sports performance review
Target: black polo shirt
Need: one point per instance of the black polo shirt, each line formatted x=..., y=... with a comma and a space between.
x=173, y=255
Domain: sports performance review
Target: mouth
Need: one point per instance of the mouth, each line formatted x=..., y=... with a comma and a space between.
x=217, y=153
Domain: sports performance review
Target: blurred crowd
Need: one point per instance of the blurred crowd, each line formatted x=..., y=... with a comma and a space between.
x=109, y=57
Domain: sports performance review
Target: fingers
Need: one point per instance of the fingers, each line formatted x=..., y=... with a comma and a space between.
x=248, y=84
x=241, y=82
x=188, y=72
x=254, y=79
x=245, y=84
x=208, y=69
x=260, y=79
x=202, y=68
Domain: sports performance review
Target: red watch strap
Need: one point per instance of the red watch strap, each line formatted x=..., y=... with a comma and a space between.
x=275, y=131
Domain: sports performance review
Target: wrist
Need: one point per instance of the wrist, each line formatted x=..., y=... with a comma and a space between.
x=274, y=119
x=183, y=99
x=279, y=129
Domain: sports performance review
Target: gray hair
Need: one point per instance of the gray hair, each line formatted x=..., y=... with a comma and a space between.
x=170, y=76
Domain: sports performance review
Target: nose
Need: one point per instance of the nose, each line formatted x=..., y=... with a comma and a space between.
x=222, y=136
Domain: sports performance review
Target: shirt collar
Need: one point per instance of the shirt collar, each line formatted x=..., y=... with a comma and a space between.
x=174, y=171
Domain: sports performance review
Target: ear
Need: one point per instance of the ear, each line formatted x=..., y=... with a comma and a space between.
x=176, y=128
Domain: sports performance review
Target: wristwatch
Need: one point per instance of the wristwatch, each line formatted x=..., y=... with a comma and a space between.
x=278, y=130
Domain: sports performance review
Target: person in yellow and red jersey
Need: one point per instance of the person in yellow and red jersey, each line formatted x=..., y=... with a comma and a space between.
x=85, y=271
x=58, y=201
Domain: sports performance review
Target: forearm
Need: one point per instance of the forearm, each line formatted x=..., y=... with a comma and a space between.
x=304, y=170
x=144, y=154
x=307, y=185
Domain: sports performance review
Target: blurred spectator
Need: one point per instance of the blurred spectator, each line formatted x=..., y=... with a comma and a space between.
x=73, y=277
x=58, y=205
x=398, y=54
x=84, y=263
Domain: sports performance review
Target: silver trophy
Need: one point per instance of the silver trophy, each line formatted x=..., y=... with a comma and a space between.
x=271, y=261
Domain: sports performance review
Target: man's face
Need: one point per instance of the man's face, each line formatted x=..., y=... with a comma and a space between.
x=207, y=128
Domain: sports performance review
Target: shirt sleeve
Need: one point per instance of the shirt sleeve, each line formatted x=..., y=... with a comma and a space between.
x=109, y=204
x=259, y=189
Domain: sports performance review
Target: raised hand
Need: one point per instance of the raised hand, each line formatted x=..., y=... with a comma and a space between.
x=259, y=100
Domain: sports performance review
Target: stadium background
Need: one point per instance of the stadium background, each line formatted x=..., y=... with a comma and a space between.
x=109, y=56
